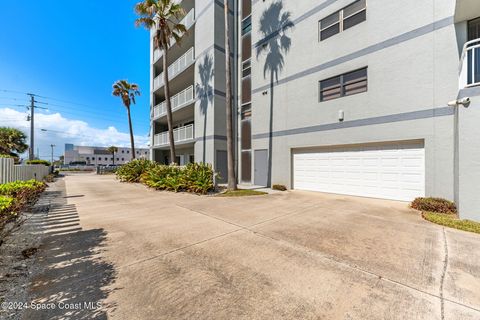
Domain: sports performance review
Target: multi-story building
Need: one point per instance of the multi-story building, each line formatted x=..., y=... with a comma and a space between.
x=355, y=97
x=100, y=155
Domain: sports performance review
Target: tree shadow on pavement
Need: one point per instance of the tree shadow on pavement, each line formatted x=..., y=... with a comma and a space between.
x=71, y=274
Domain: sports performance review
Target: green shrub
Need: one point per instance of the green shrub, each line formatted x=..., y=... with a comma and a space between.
x=194, y=177
x=132, y=171
x=434, y=205
x=17, y=196
x=279, y=187
x=6, y=206
x=44, y=162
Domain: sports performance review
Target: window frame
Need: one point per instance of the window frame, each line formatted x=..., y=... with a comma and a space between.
x=342, y=85
x=341, y=19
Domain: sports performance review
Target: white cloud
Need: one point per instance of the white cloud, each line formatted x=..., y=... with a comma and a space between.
x=61, y=130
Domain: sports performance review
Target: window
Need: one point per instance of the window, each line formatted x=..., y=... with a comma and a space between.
x=118, y=159
x=246, y=46
x=246, y=111
x=88, y=158
x=128, y=151
x=474, y=29
x=106, y=159
x=344, y=85
x=123, y=151
x=93, y=158
x=246, y=89
x=343, y=19
x=246, y=25
x=123, y=159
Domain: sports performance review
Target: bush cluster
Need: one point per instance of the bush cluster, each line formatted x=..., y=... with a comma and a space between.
x=17, y=196
x=131, y=171
x=279, y=187
x=44, y=162
x=434, y=205
x=194, y=177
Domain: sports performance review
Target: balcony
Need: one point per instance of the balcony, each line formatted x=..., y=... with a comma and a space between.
x=182, y=134
x=179, y=101
x=188, y=22
x=175, y=68
x=470, y=65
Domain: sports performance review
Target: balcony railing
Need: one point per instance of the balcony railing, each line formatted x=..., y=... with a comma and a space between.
x=175, y=68
x=179, y=101
x=179, y=135
x=188, y=22
x=470, y=64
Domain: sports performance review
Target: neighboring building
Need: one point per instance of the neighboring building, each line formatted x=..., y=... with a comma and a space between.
x=100, y=155
x=341, y=96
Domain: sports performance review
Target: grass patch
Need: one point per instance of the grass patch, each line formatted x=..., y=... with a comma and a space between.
x=450, y=220
x=241, y=193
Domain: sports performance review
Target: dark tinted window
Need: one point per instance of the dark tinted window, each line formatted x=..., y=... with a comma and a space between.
x=344, y=85
x=246, y=89
x=246, y=166
x=344, y=19
x=246, y=8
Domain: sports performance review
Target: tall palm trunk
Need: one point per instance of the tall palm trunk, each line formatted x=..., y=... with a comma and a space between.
x=166, y=85
x=232, y=181
x=132, y=143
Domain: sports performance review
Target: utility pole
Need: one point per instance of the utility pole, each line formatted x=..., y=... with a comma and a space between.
x=53, y=146
x=31, y=154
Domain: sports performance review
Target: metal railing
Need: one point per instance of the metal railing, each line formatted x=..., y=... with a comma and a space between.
x=188, y=22
x=180, y=134
x=179, y=101
x=470, y=64
x=176, y=68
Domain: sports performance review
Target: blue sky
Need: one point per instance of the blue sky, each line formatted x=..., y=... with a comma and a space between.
x=70, y=52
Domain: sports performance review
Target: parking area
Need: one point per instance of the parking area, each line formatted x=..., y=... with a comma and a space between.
x=302, y=255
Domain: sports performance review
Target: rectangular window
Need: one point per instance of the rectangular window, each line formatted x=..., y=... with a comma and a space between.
x=344, y=85
x=474, y=29
x=246, y=25
x=343, y=19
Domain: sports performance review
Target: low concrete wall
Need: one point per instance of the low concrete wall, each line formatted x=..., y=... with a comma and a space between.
x=10, y=172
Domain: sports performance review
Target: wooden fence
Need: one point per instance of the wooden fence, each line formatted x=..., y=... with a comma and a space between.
x=9, y=171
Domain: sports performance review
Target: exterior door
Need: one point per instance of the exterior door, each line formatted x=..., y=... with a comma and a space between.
x=221, y=166
x=261, y=167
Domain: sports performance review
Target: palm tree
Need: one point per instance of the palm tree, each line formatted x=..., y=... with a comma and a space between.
x=163, y=15
x=127, y=92
x=274, y=21
x=112, y=150
x=232, y=180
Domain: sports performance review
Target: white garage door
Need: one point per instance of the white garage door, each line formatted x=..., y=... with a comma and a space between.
x=390, y=172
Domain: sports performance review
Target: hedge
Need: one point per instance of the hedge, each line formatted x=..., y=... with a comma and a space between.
x=194, y=177
x=44, y=162
x=18, y=196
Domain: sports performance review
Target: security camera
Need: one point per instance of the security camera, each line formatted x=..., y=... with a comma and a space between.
x=464, y=101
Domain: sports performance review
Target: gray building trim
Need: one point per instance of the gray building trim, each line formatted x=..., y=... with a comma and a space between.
x=407, y=116
x=212, y=137
x=365, y=51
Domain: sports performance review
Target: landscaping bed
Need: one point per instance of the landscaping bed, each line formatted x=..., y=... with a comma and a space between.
x=194, y=177
x=443, y=212
x=17, y=196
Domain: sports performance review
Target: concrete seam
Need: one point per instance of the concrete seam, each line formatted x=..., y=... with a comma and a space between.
x=444, y=273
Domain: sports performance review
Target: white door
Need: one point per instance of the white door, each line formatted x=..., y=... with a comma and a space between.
x=394, y=172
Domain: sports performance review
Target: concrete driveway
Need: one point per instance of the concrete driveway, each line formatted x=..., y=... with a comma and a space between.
x=293, y=255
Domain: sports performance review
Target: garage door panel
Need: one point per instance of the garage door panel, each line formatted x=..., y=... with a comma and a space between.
x=391, y=172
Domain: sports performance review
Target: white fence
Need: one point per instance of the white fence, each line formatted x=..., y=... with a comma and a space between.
x=10, y=172
x=176, y=68
x=470, y=64
x=180, y=134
